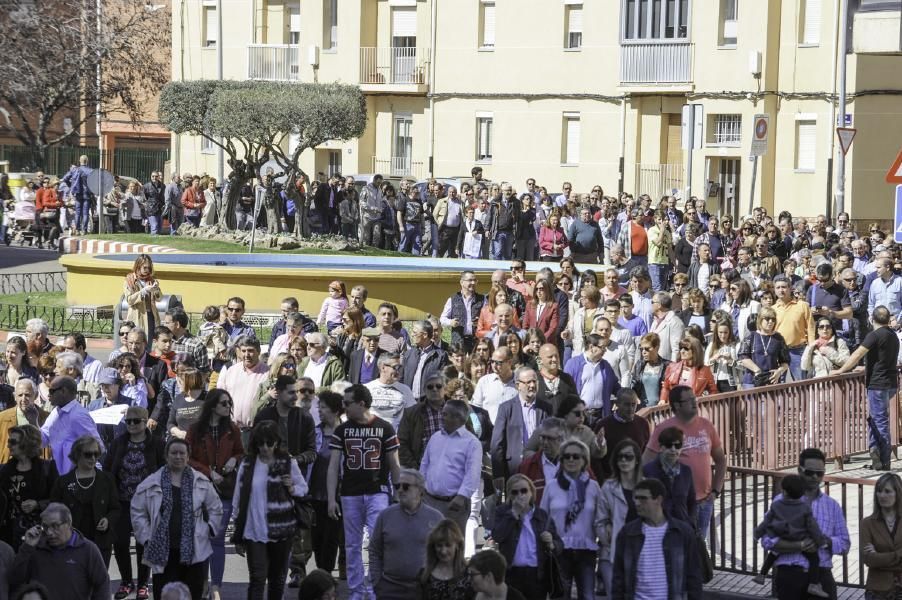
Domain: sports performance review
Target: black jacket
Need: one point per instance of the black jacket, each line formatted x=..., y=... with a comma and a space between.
x=301, y=432
x=694, y=266
x=104, y=504
x=356, y=363
x=686, y=315
x=155, y=372
x=681, y=564
x=321, y=199
x=435, y=362
x=566, y=387
x=154, y=457
x=506, y=532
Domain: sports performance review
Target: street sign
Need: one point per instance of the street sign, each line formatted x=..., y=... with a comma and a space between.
x=894, y=175
x=897, y=236
x=847, y=122
x=692, y=127
x=759, y=135
x=846, y=135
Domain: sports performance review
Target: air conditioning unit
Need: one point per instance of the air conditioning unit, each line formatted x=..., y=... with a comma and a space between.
x=313, y=56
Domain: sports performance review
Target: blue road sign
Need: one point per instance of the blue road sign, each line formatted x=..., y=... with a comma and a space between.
x=898, y=234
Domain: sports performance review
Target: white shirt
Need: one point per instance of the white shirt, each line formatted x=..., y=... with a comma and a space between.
x=452, y=463
x=491, y=393
x=390, y=400
x=704, y=274
x=315, y=370
x=445, y=318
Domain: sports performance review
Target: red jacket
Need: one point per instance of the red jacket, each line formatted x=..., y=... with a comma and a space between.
x=548, y=322
x=548, y=237
x=193, y=199
x=701, y=380
x=205, y=452
x=46, y=199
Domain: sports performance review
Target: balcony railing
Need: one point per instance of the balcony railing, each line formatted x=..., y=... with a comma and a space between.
x=273, y=62
x=767, y=427
x=394, y=65
x=661, y=62
x=398, y=166
x=657, y=180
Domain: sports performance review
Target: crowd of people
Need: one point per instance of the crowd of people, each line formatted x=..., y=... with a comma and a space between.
x=517, y=432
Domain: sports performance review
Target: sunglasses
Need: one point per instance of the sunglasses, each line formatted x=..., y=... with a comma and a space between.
x=825, y=326
x=403, y=486
x=519, y=492
x=306, y=391
x=498, y=362
x=434, y=386
x=124, y=333
x=572, y=456
x=289, y=366
x=90, y=454
x=626, y=457
x=813, y=473
x=234, y=309
x=676, y=445
x=134, y=421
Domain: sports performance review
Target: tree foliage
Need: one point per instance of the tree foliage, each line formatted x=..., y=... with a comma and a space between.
x=50, y=52
x=252, y=121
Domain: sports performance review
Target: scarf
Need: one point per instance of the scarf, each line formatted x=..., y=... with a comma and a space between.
x=157, y=550
x=576, y=494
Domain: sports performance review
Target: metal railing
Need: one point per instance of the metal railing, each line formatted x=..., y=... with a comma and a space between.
x=31, y=283
x=657, y=180
x=767, y=427
x=130, y=162
x=746, y=497
x=398, y=166
x=92, y=321
x=394, y=65
x=273, y=62
x=656, y=62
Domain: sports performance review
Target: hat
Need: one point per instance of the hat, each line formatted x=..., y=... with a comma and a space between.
x=136, y=412
x=370, y=332
x=109, y=376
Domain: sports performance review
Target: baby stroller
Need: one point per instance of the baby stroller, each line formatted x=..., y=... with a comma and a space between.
x=23, y=225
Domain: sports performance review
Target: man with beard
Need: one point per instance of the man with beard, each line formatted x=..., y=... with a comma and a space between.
x=37, y=338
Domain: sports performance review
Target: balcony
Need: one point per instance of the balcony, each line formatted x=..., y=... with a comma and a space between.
x=394, y=70
x=273, y=62
x=399, y=166
x=656, y=63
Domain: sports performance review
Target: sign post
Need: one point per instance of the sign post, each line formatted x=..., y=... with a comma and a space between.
x=897, y=233
x=759, y=148
x=692, y=136
x=846, y=135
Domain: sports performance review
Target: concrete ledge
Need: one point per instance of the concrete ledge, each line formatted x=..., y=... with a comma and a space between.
x=76, y=245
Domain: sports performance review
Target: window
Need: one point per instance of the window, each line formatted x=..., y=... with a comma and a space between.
x=806, y=142
x=655, y=19
x=484, y=137
x=294, y=25
x=330, y=24
x=727, y=130
x=402, y=153
x=334, y=162
x=729, y=15
x=211, y=26
x=574, y=14
x=487, y=22
x=570, y=147
x=206, y=145
x=811, y=22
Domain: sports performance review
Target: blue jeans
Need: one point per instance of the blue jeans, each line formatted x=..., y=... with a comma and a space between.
x=155, y=221
x=83, y=214
x=878, y=410
x=217, y=560
x=795, y=362
x=578, y=566
x=659, y=276
x=357, y=512
x=502, y=245
x=433, y=230
x=412, y=238
x=705, y=513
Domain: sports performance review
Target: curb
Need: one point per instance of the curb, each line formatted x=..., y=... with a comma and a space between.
x=76, y=245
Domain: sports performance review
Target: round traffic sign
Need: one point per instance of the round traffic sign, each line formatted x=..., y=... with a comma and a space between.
x=761, y=129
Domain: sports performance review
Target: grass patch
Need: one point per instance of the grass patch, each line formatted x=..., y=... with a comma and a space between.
x=35, y=299
x=195, y=245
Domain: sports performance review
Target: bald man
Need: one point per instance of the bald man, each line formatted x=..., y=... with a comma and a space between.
x=554, y=383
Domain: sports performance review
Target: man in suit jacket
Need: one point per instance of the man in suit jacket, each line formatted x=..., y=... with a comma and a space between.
x=25, y=393
x=423, y=359
x=469, y=224
x=554, y=383
x=668, y=325
x=328, y=196
x=154, y=370
x=362, y=363
x=515, y=423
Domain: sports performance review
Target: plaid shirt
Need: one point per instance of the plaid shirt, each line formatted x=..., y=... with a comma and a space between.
x=195, y=348
x=829, y=517
x=433, y=422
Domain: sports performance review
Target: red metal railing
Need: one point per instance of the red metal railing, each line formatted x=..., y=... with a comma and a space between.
x=767, y=427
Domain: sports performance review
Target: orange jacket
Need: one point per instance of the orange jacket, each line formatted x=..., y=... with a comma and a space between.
x=193, y=199
x=46, y=199
x=701, y=380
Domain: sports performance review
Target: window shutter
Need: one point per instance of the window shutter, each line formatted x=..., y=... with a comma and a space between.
x=404, y=22
x=812, y=34
x=488, y=25
x=576, y=19
x=294, y=21
x=572, y=157
x=807, y=145
x=210, y=25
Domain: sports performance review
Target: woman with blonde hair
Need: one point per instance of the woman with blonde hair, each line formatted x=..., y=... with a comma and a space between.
x=689, y=370
x=764, y=353
x=142, y=291
x=281, y=364
x=445, y=575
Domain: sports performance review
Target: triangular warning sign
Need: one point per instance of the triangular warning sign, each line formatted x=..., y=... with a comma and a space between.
x=846, y=135
x=894, y=175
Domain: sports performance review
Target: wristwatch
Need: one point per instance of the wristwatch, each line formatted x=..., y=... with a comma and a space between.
x=716, y=493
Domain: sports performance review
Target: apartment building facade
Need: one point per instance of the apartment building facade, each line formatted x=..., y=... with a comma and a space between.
x=586, y=91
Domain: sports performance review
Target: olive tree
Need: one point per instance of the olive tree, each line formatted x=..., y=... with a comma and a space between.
x=253, y=121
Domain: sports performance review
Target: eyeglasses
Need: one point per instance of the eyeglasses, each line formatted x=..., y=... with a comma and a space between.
x=519, y=492
x=497, y=362
x=572, y=456
x=434, y=386
x=403, y=486
x=235, y=309
x=813, y=473
x=530, y=382
x=90, y=454
x=626, y=457
x=54, y=526
x=134, y=421
x=674, y=445
x=825, y=326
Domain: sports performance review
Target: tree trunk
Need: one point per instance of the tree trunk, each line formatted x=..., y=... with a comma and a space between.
x=227, y=219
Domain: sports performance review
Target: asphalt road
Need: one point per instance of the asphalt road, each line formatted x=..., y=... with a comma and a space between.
x=19, y=259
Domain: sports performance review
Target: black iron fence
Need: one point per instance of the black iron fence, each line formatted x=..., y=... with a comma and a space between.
x=32, y=283
x=56, y=160
x=92, y=321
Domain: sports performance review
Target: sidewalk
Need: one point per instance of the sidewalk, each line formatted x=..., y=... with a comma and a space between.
x=733, y=586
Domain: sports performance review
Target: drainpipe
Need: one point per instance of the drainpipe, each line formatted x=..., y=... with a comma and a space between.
x=832, y=150
x=433, y=36
x=219, y=50
x=843, y=67
x=622, y=163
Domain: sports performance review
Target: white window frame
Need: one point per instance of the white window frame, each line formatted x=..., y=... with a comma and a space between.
x=569, y=30
x=485, y=121
x=569, y=147
x=729, y=8
x=808, y=162
x=656, y=29
x=812, y=22
x=207, y=146
x=487, y=7
x=726, y=130
x=330, y=27
x=294, y=23
x=209, y=21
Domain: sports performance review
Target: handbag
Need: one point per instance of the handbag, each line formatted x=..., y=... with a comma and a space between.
x=304, y=512
x=226, y=487
x=555, y=587
x=704, y=559
x=762, y=378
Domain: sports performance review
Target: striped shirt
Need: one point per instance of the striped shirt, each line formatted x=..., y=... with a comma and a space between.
x=651, y=574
